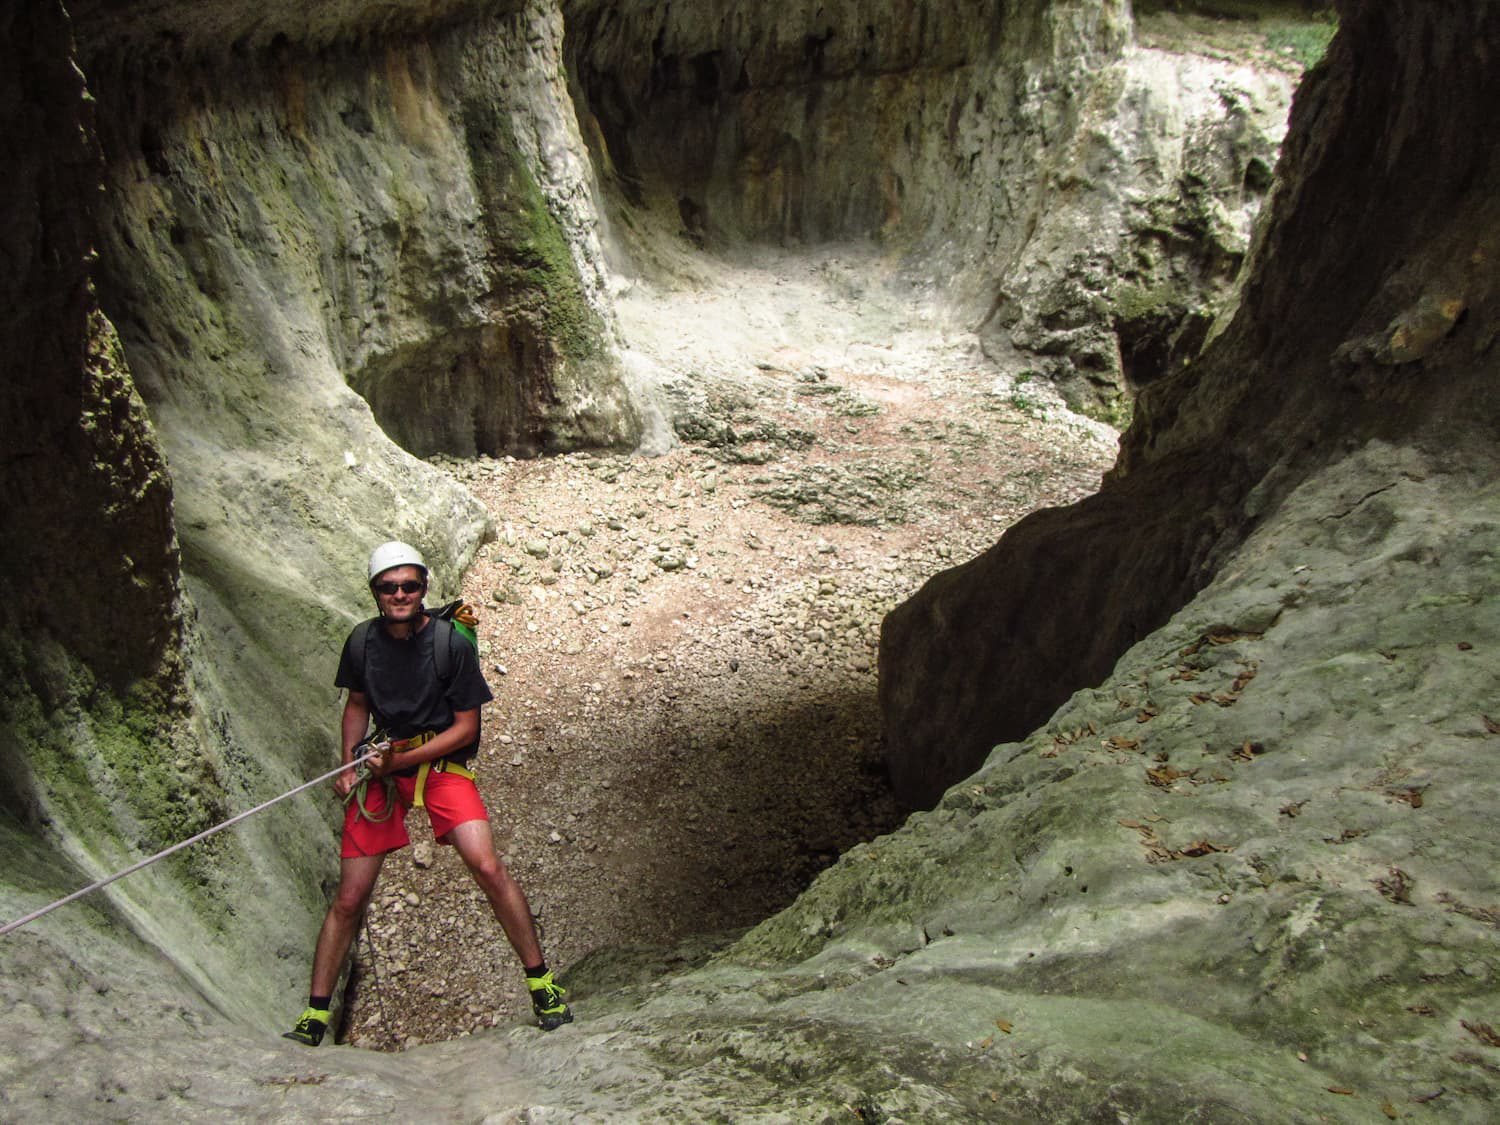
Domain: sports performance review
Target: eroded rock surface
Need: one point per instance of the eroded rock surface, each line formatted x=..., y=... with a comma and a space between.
x=1245, y=878
x=1388, y=334
x=1242, y=873
x=1084, y=202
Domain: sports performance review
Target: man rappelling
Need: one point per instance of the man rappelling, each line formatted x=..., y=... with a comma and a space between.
x=420, y=681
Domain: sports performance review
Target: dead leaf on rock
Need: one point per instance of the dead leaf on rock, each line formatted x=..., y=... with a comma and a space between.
x=1293, y=809
x=1248, y=751
x=1465, y=646
x=1389, y=1110
x=1183, y=672
x=1147, y=713
x=1412, y=797
x=1249, y=672
x=1423, y=1099
x=1421, y=1009
x=1345, y=836
x=1342, y=1091
x=1118, y=742
x=1219, y=635
x=1201, y=847
x=1396, y=886
x=1227, y=698
x=1163, y=777
x=1489, y=915
x=1483, y=1032
x=1490, y=724
x=1005, y=1026
x=1199, y=697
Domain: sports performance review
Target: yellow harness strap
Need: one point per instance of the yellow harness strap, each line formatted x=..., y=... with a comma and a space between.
x=442, y=765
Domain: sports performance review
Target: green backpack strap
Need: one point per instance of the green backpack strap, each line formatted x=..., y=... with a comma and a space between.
x=456, y=617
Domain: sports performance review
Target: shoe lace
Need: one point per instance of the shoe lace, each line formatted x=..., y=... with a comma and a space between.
x=546, y=994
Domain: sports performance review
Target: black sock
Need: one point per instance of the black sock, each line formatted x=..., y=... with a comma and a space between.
x=319, y=1002
x=538, y=971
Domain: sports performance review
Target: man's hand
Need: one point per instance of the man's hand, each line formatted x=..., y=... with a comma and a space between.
x=385, y=760
x=378, y=766
x=344, y=782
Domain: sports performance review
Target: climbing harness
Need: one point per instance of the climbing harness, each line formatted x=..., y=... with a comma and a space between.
x=359, y=795
x=149, y=860
x=442, y=765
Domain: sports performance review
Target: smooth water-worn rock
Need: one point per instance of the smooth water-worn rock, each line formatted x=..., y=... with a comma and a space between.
x=1245, y=878
x=1085, y=203
x=1372, y=315
x=259, y=281
x=1207, y=756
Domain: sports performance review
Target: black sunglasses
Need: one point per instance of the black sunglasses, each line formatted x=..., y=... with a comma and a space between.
x=408, y=587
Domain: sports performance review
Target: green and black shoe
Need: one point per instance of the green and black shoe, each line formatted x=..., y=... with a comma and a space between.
x=547, y=1002
x=310, y=1027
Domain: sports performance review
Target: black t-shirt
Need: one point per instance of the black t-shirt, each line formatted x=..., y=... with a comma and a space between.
x=402, y=686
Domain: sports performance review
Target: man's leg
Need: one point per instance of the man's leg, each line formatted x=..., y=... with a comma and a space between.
x=475, y=844
x=356, y=883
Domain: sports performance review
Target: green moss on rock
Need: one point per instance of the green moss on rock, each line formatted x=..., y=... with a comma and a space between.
x=536, y=267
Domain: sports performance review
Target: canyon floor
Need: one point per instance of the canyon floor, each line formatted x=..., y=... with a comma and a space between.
x=683, y=645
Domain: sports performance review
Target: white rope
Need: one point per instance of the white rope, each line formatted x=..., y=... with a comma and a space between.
x=147, y=862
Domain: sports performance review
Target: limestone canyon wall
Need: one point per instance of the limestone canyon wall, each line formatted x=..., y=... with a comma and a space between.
x=274, y=252
x=1082, y=201
x=1370, y=321
x=1222, y=734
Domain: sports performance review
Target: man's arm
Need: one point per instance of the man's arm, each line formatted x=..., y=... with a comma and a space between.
x=355, y=725
x=465, y=729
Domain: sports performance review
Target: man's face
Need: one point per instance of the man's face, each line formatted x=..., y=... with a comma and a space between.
x=399, y=592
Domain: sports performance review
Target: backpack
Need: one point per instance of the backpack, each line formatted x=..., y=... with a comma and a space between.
x=456, y=619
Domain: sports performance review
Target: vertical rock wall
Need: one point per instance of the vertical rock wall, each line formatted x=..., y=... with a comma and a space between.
x=1084, y=203
x=925, y=125
x=222, y=232
x=106, y=757
x=319, y=252
x=1372, y=314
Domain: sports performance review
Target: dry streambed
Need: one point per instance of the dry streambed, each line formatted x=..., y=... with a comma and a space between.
x=683, y=647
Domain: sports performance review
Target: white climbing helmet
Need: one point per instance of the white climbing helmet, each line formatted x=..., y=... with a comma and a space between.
x=393, y=554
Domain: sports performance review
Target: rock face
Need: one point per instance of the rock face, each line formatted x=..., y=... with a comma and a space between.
x=1365, y=321
x=1088, y=203
x=351, y=251
x=1207, y=756
x=1144, y=228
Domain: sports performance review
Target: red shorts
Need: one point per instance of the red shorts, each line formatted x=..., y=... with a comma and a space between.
x=450, y=800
